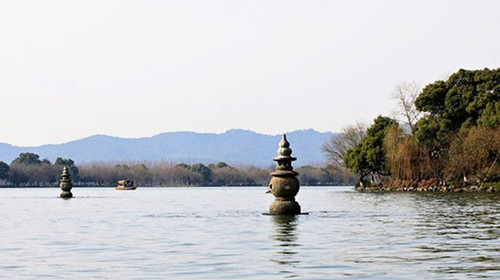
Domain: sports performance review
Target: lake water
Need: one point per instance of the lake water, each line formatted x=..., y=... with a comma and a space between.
x=220, y=233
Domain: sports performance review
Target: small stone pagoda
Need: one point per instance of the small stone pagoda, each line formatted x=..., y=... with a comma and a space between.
x=66, y=184
x=284, y=184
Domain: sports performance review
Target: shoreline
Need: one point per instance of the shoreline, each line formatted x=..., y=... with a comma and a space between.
x=430, y=185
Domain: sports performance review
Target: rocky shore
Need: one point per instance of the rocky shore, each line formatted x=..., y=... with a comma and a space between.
x=431, y=185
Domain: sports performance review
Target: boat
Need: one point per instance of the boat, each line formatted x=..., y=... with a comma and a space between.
x=125, y=185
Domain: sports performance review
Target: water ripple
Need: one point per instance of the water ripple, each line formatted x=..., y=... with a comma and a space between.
x=220, y=233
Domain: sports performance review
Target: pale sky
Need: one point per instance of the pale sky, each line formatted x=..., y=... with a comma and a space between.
x=72, y=69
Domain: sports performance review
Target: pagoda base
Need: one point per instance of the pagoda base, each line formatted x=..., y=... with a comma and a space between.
x=66, y=195
x=284, y=207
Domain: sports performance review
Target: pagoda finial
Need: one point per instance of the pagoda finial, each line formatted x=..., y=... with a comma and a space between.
x=284, y=157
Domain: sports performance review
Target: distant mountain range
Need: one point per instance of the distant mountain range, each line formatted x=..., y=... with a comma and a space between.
x=233, y=147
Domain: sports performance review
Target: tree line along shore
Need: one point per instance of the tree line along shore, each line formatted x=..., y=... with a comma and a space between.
x=28, y=170
x=444, y=137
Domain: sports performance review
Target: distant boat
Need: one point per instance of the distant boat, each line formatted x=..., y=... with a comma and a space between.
x=125, y=185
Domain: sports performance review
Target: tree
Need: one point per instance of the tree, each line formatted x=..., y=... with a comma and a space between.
x=368, y=157
x=204, y=171
x=338, y=145
x=466, y=99
x=4, y=170
x=221, y=165
x=225, y=175
x=139, y=173
x=29, y=170
x=313, y=176
x=403, y=155
x=27, y=158
x=405, y=95
x=490, y=117
x=181, y=175
x=182, y=165
x=475, y=154
x=259, y=176
x=18, y=174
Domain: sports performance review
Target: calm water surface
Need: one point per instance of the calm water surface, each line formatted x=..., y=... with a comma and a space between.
x=220, y=233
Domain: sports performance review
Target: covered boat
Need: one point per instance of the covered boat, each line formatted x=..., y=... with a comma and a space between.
x=125, y=185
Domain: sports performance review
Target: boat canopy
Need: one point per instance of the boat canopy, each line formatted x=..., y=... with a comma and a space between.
x=126, y=183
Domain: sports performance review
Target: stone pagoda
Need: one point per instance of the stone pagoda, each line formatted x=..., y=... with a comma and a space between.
x=66, y=184
x=284, y=184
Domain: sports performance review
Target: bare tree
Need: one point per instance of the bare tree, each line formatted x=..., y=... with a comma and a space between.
x=405, y=95
x=338, y=145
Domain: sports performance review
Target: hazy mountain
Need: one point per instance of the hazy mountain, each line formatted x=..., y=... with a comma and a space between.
x=234, y=147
